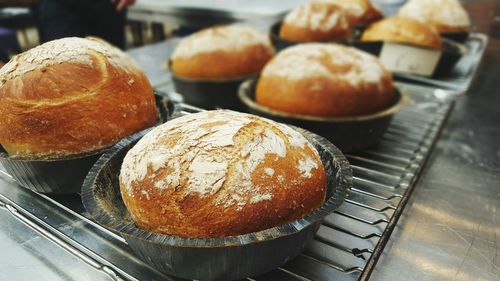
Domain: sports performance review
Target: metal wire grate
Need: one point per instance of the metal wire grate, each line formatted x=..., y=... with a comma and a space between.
x=351, y=239
x=347, y=245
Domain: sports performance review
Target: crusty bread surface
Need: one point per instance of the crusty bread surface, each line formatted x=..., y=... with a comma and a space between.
x=356, y=11
x=325, y=80
x=403, y=30
x=443, y=15
x=221, y=173
x=221, y=52
x=315, y=22
x=71, y=96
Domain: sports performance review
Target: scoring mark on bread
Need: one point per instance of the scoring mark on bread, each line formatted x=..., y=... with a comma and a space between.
x=84, y=51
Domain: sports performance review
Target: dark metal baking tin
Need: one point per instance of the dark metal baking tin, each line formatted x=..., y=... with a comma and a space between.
x=460, y=37
x=347, y=133
x=451, y=53
x=63, y=174
x=211, y=94
x=280, y=43
x=224, y=258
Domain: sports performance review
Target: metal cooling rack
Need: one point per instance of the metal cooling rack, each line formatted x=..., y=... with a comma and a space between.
x=346, y=247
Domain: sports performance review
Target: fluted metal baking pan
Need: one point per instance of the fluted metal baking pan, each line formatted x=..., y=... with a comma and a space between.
x=64, y=174
x=459, y=37
x=211, y=258
x=347, y=133
x=211, y=93
x=278, y=42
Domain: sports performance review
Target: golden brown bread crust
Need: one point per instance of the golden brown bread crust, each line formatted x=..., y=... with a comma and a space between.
x=315, y=22
x=356, y=11
x=266, y=193
x=221, y=52
x=222, y=64
x=442, y=28
x=56, y=106
x=403, y=30
x=372, y=13
x=334, y=100
x=324, y=80
x=443, y=15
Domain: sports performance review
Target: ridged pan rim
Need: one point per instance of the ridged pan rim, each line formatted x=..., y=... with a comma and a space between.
x=244, y=92
x=343, y=185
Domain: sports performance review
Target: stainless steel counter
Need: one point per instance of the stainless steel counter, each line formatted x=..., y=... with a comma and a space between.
x=451, y=227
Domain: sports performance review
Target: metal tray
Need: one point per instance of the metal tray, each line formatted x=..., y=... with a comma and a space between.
x=461, y=77
x=347, y=246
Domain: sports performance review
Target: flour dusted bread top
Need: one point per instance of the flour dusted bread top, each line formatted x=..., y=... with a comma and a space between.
x=324, y=80
x=356, y=11
x=444, y=15
x=334, y=61
x=220, y=38
x=315, y=22
x=224, y=51
x=67, y=50
x=70, y=96
x=221, y=173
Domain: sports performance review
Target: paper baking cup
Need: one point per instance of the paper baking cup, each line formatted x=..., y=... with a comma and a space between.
x=449, y=55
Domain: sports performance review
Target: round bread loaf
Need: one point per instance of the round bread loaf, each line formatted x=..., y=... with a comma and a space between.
x=356, y=11
x=403, y=30
x=71, y=96
x=315, y=22
x=443, y=15
x=326, y=80
x=221, y=52
x=221, y=173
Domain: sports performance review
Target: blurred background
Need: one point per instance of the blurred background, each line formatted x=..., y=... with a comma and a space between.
x=23, y=22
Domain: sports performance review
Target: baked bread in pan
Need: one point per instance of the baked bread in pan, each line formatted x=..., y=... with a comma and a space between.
x=221, y=52
x=315, y=22
x=71, y=96
x=443, y=15
x=356, y=11
x=221, y=173
x=403, y=30
x=327, y=80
